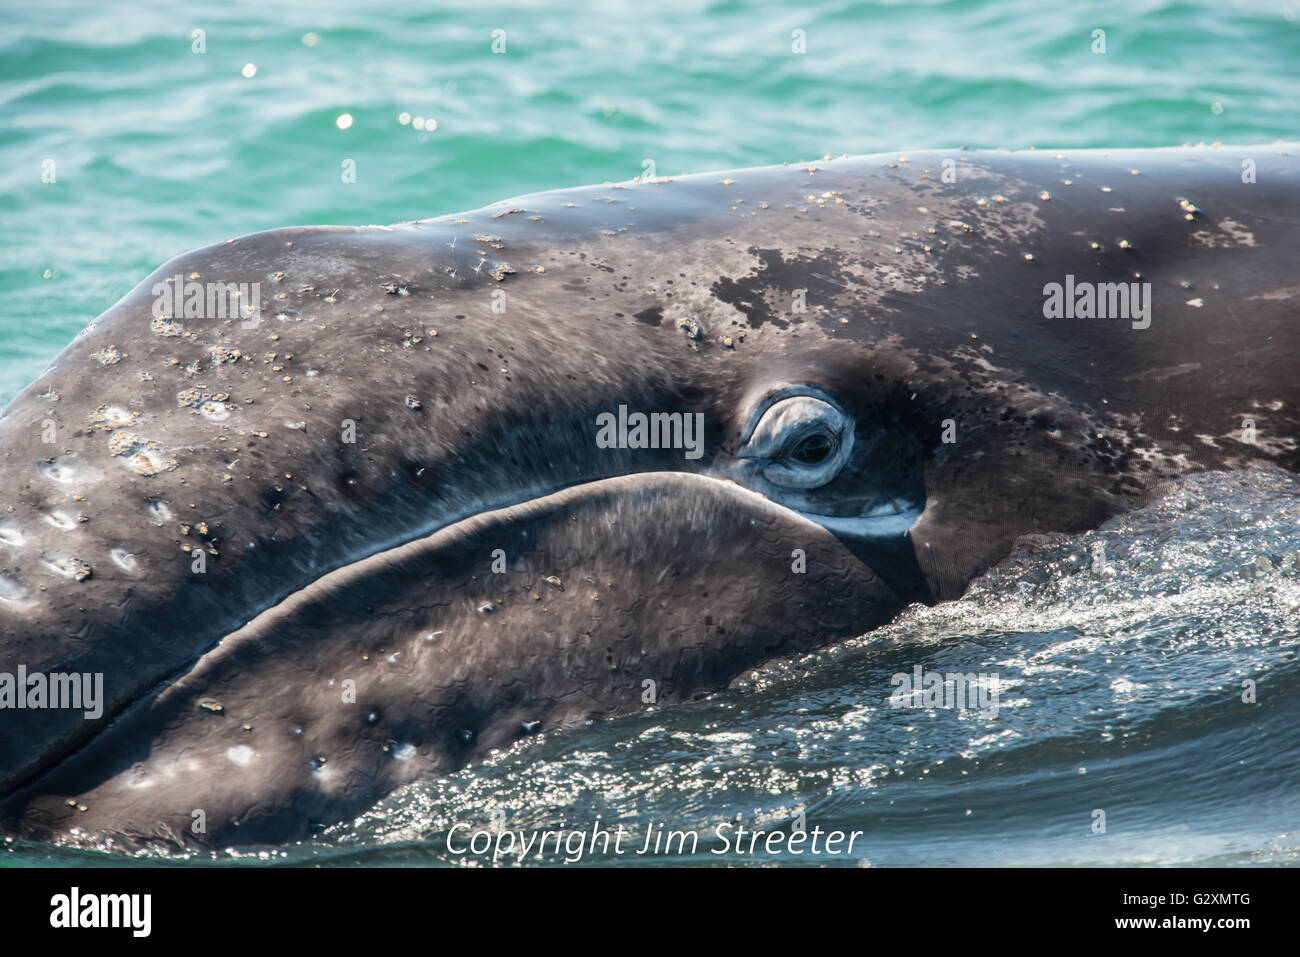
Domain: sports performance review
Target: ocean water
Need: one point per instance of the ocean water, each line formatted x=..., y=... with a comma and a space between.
x=1117, y=696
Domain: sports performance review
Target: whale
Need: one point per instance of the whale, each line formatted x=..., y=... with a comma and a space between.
x=314, y=513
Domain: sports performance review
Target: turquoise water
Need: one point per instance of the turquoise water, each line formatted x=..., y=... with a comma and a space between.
x=158, y=149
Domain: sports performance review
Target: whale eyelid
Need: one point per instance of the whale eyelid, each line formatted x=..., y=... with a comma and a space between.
x=779, y=395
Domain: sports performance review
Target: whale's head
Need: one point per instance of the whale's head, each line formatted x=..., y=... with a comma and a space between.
x=424, y=490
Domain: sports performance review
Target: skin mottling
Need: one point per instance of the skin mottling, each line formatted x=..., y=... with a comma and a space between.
x=346, y=464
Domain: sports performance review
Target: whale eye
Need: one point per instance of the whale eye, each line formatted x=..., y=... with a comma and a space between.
x=812, y=449
x=801, y=441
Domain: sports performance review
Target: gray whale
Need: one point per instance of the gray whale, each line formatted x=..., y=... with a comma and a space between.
x=370, y=530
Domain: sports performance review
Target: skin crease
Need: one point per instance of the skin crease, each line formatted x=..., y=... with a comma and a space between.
x=923, y=320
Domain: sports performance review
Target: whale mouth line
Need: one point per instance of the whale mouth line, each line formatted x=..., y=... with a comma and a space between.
x=885, y=525
x=886, y=518
x=374, y=585
x=259, y=621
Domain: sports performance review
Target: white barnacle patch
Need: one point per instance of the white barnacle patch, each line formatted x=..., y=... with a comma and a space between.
x=61, y=520
x=404, y=752
x=140, y=455
x=108, y=356
x=123, y=443
x=139, y=780
x=220, y=355
x=149, y=461
x=12, y=593
x=123, y=559
x=166, y=327
x=67, y=566
x=60, y=470
x=160, y=512
x=189, y=398
x=241, y=755
x=214, y=411
x=11, y=535
x=109, y=417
